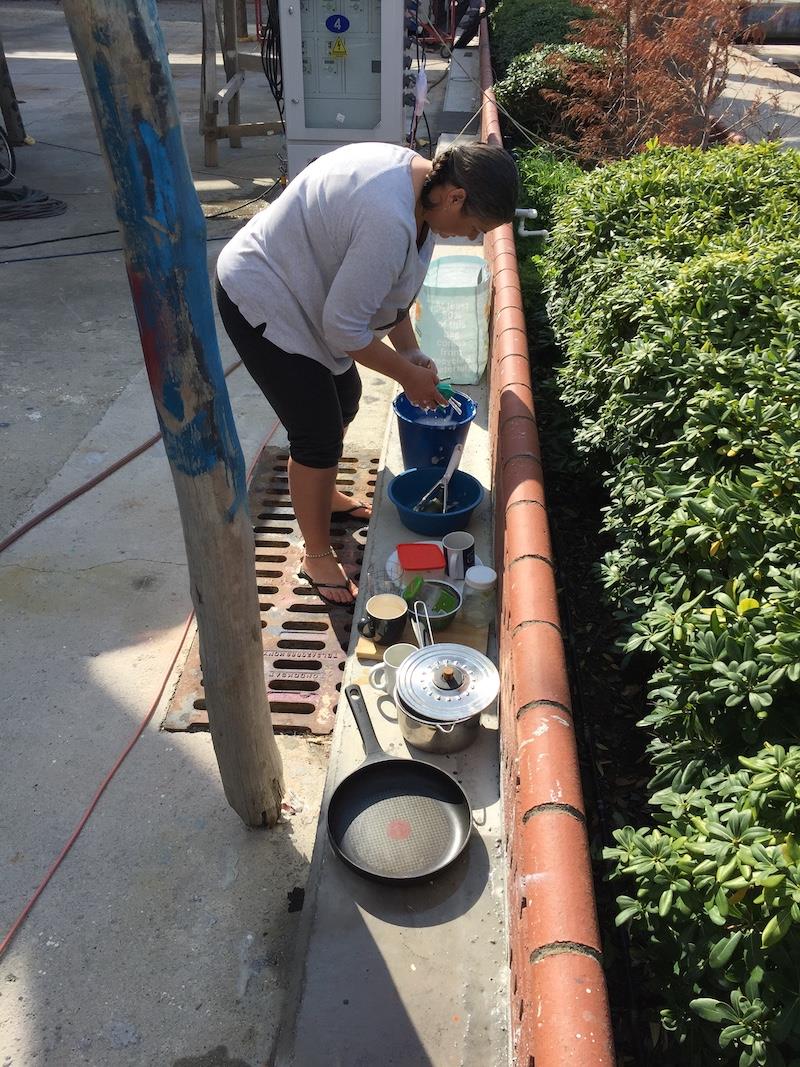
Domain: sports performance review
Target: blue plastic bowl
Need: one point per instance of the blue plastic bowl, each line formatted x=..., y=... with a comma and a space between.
x=427, y=438
x=464, y=495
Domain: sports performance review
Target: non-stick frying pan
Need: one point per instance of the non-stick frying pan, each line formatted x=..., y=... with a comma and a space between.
x=396, y=820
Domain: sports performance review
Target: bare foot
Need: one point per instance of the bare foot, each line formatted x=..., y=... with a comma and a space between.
x=329, y=578
x=340, y=502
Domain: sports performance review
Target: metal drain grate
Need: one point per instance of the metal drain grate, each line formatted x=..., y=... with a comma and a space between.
x=305, y=640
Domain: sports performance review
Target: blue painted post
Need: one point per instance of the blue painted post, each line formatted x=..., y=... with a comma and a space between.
x=126, y=72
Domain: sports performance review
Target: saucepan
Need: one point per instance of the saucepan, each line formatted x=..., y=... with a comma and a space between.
x=441, y=691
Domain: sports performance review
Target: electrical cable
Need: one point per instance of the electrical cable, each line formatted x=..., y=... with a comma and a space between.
x=106, y=233
x=81, y=489
x=23, y=915
x=535, y=139
x=21, y=202
x=70, y=148
x=272, y=60
x=90, y=252
x=430, y=139
x=266, y=196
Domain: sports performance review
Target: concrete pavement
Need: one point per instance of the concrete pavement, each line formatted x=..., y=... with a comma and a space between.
x=166, y=936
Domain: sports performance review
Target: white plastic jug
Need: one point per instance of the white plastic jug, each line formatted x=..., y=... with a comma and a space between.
x=451, y=317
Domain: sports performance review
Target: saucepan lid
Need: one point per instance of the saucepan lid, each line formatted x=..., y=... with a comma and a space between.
x=447, y=683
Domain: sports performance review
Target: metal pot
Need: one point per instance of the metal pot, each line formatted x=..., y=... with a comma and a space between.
x=440, y=693
x=438, y=738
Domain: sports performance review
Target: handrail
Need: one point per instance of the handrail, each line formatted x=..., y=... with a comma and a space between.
x=559, y=1001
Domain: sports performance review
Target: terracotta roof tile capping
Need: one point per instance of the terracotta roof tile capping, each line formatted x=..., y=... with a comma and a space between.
x=559, y=1010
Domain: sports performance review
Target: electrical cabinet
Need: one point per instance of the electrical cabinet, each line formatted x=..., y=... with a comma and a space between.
x=343, y=63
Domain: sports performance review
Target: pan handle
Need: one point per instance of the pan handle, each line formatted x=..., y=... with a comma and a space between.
x=355, y=698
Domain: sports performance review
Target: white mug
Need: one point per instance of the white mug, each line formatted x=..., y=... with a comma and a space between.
x=392, y=658
x=459, y=553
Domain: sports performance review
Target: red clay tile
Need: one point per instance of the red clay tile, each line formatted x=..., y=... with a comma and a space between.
x=519, y=387
x=570, y=1009
x=539, y=667
x=510, y=315
x=521, y=479
x=512, y=363
x=555, y=877
x=532, y=591
x=547, y=759
x=505, y=258
x=527, y=531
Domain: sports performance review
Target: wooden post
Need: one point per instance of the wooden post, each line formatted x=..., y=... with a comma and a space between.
x=12, y=119
x=124, y=65
x=241, y=18
x=230, y=55
x=208, y=83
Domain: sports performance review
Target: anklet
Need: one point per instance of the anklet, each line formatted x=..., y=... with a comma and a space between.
x=319, y=555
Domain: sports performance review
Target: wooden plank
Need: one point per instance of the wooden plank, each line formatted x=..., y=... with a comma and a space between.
x=252, y=129
x=457, y=633
x=230, y=89
x=125, y=68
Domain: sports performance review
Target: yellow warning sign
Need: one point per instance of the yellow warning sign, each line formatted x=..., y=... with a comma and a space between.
x=339, y=49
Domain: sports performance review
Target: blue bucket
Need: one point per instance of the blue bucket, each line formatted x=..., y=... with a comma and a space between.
x=427, y=438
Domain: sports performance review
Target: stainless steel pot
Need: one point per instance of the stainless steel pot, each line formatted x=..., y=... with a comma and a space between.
x=438, y=738
x=440, y=693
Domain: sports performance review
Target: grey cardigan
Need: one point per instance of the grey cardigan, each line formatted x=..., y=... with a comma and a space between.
x=334, y=261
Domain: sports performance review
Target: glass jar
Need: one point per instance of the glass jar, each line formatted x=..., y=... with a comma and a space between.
x=479, y=592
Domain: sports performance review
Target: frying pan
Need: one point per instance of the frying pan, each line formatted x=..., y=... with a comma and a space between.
x=396, y=820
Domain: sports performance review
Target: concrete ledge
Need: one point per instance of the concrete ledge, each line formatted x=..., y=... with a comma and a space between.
x=414, y=975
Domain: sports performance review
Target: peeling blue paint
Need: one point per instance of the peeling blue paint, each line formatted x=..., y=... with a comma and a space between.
x=155, y=201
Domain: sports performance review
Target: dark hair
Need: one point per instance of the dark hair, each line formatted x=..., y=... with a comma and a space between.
x=486, y=173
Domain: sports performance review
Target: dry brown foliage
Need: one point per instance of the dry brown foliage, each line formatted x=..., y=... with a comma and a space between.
x=666, y=66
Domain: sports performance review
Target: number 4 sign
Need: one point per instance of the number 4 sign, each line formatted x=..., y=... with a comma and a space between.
x=337, y=24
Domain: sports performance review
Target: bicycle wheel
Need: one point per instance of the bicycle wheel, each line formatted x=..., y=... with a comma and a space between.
x=8, y=164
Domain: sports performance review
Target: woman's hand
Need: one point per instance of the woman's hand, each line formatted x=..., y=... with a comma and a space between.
x=419, y=359
x=419, y=384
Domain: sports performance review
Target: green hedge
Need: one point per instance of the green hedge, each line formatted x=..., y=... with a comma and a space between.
x=520, y=92
x=518, y=25
x=674, y=283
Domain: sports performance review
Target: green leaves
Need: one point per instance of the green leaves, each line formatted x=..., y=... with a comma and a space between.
x=674, y=288
x=723, y=950
x=777, y=928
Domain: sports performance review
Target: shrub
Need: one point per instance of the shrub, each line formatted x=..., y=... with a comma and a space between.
x=664, y=69
x=517, y=25
x=718, y=900
x=521, y=91
x=674, y=283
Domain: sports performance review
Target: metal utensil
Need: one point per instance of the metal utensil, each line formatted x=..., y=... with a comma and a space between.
x=396, y=820
x=421, y=624
x=445, y=387
x=437, y=494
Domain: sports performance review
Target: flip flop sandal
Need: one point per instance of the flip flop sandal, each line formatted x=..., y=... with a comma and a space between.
x=349, y=513
x=317, y=586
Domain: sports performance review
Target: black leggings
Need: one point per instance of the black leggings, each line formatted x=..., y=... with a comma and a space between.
x=314, y=405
